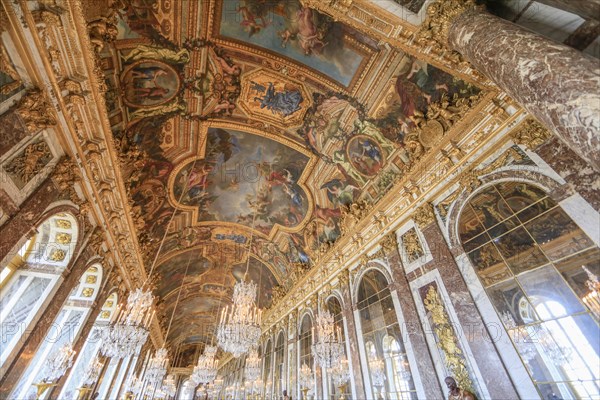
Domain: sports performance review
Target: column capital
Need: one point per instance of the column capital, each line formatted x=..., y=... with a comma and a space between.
x=440, y=15
x=424, y=215
x=531, y=134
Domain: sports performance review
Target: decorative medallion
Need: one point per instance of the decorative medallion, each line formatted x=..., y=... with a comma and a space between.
x=57, y=255
x=63, y=223
x=266, y=95
x=63, y=238
x=365, y=155
x=148, y=83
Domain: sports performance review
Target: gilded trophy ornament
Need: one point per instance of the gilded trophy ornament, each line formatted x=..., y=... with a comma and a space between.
x=30, y=162
x=447, y=340
x=412, y=245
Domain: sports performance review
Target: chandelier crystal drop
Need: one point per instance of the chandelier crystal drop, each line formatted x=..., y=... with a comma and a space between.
x=169, y=387
x=239, y=327
x=377, y=371
x=92, y=372
x=252, y=369
x=340, y=373
x=130, y=330
x=58, y=363
x=305, y=378
x=328, y=348
x=205, y=370
x=157, y=367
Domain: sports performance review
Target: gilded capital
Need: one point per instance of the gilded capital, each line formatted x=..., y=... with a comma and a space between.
x=531, y=134
x=440, y=15
x=424, y=215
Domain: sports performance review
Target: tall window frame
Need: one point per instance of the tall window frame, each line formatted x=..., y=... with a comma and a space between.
x=29, y=280
x=379, y=321
x=65, y=330
x=528, y=254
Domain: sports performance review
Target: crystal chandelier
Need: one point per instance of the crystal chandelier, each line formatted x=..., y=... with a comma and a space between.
x=92, y=372
x=58, y=363
x=157, y=367
x=169, y=387
x=252, y=369
x=592, y=298
x=340, y=373
x=130, y=331
x=377, y=372
x=206, y=369
x=135, y=386
x=305, y=379
x=239, y=328
x=520, y=337
x=328, y=348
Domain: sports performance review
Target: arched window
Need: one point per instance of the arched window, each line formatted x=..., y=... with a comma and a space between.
x=534, y=263
x=267, y=365
x=89, y=351
x=279, y=358
x=389, y=372
x=335, y=308
x=64, y=331
x=305, y=348
x=30, y=278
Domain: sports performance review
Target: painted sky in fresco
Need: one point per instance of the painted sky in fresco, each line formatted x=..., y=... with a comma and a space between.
x=334, y=59
x=242, y=174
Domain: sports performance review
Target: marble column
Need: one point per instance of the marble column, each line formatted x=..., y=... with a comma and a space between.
x=579, y=176
x=558, y=85
x=38, y=332
x=413, y=330
x=496, y=378
x=589, y=9
x=352, y=338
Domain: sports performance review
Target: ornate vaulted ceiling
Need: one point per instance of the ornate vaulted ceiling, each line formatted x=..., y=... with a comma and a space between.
x=245, y=127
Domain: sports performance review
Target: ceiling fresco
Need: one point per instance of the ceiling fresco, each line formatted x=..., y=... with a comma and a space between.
x=245, y=128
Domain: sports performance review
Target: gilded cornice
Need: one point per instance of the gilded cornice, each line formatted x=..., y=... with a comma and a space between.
x=371, y=19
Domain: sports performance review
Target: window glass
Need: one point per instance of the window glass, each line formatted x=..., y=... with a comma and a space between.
x=389, y=371
x=545, y=298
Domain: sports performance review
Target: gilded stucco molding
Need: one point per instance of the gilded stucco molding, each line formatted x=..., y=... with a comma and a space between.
x=366, y=17
x=71, y=100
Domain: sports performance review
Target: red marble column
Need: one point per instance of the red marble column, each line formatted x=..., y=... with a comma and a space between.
x=558, y=85
x=413, y=329
x=579, y=176
x=352, y=336
x=585, y=8
x=488, y=361
x=41, y=328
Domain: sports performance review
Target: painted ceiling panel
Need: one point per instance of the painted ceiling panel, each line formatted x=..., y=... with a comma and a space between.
x=246, y=127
